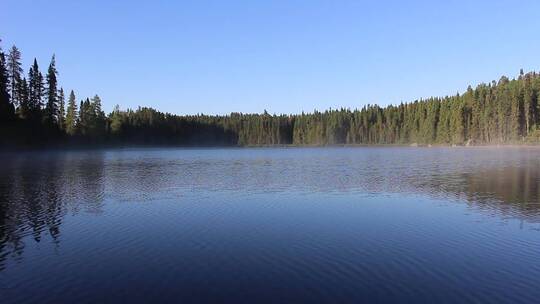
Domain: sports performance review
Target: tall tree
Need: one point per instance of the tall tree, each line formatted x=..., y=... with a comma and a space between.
x=96, y=101
x=51, y=107
x=24, y=98
x=14, y=70
x=61, y=110
x=71, y=115
x=35, y=90
x=7, y=110
x=82, y=124
x=100, y=120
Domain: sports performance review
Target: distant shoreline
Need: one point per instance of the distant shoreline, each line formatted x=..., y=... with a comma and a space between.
x=500, y=113
x=165, y=146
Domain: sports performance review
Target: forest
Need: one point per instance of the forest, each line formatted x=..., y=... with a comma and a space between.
x=35, y=111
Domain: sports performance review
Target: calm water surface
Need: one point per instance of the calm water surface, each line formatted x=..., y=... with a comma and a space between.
x=345, y=225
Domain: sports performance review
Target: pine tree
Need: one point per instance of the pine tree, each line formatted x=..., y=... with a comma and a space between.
x=71, y=115
x=51, y=107
x=82, y=122
x=96, y=101
x=14, y=70
x=35, y=90
x=99, y=119
x=24, y=101
x=7, y=111
x=61, y=110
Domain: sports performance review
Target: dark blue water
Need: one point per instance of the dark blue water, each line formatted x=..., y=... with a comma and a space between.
x=347, y=225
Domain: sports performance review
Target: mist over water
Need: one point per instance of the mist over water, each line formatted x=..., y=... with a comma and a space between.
x=271, y=225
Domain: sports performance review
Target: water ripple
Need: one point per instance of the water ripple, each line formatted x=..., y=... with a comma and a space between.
x=271, y=225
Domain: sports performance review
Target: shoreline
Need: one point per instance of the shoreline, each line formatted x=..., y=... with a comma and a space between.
x=277, y=146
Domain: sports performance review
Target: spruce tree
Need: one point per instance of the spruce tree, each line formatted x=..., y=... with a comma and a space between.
x=7, y=110
x=82, y=119
x=96, y=101
x=71, y=115
x=35, y=90
x=24, y=99
x=51, y=107
x=98, y=117
x=14, y=70
x=61, y=110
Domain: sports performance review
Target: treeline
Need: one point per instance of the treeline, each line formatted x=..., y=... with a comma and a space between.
x=33, y=111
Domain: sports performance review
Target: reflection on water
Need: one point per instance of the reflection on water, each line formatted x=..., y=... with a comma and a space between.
x=510, y=190
x=39, y=191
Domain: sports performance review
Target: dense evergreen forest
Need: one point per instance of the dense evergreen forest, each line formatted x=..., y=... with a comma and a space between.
x=36, y=111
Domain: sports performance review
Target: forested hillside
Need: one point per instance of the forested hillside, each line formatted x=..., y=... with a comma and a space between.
x=35, y=111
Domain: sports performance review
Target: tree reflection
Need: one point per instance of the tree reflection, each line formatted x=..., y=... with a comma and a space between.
x=36, y=191
x=512, y=191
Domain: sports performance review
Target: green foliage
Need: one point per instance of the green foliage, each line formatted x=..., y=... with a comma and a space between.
x=71, y=115
x=7, y=110
x=35, y=90
x=14, y=72
x=506, y=111
x=51, y=106
x=24, y=99
x=61, y=110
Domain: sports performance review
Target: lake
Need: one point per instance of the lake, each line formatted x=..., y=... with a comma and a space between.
x=272, y=225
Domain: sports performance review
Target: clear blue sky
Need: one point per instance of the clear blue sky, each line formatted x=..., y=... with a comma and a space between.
x=215, y=57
